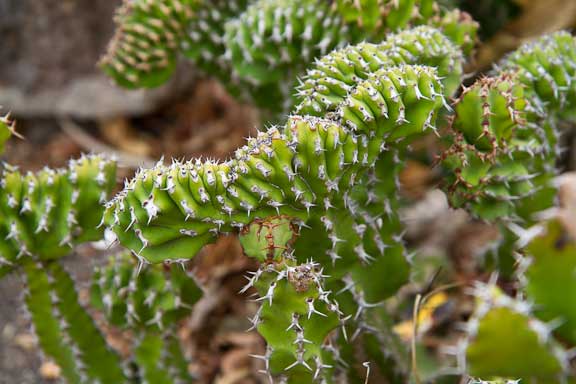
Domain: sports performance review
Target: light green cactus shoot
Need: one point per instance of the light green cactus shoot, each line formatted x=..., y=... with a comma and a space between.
x=500, y=331
x=7, y=129
x=549, y=278
x=150, y=303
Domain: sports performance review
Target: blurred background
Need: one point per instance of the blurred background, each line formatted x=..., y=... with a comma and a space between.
x=64, y=106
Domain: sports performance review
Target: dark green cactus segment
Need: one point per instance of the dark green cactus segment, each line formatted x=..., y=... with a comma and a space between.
x=100, y=363
x=268, y=239
x=549, y=278
x=502, y=164
x=153, y=298
x=143, y=51
x=205, y=32
x=296, y=317
x=47, y=322
x=44, y=214
x=333, y=77
x=547, y=67
x=507, y=323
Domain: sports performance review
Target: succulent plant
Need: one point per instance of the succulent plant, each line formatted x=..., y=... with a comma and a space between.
x=150, y=303
x=258, y=49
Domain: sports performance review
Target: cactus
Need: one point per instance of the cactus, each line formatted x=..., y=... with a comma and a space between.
x=258, y=49
x=7, y=129
x=502, y=159
x=502, y=321
x=44, y=214
x=150, y=303
x=549, y=278
x=65, y=331
x=292, y=193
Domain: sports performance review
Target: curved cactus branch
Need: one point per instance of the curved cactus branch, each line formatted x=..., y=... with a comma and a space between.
x=171, y=212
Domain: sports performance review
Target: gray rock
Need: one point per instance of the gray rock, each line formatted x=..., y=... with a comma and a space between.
x=48, y=55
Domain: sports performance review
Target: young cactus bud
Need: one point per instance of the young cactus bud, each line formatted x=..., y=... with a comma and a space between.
x=268, y=239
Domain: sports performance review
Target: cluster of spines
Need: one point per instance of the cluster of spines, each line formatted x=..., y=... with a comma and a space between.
x=64, y=329
x=45, y=213
x=505, y=339
x=506, y=135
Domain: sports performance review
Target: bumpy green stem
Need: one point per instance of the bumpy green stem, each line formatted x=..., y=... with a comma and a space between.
x=149, y=302
x=44, y=214
x=502, y=160
x=171, y=212
x=258, y=48
x=66, y=332
x=47, y=322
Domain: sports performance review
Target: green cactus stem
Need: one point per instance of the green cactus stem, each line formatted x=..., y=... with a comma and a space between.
x=47, y=322
x=502, y=160
x=150, y=303
x=327, y=84
x=549, y=278
x=171, y=212
x=502, y=329
x=65, y=331
x=44, y=214
x=155, y=297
